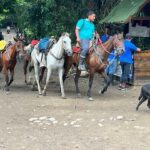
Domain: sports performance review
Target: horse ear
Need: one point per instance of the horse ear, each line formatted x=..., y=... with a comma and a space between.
x=116, y=36
x=65, y=34
x=15, y=39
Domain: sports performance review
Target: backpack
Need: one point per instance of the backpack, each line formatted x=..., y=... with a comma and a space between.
x=43, y=45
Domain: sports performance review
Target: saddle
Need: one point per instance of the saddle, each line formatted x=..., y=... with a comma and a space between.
x=44, y=48
x=43, y=45
x=77, y=48
x=3, y=44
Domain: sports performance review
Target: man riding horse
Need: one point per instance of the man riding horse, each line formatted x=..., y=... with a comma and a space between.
x=84, y=31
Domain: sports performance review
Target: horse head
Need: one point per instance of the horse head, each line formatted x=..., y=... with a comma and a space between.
x=118, y=44
x=66, y=41
x=20, y=48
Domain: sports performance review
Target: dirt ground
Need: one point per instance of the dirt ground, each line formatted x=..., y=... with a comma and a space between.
x=32, y=122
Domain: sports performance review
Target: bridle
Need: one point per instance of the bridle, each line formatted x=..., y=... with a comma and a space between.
x=99, y=54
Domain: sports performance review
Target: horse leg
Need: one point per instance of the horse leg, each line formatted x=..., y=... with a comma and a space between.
x=140, y=102
x=49, y=71
x=107, y=82
x=6, y=79
x=42, y=73
x=91, y=77
x=11, y=77
x=30, y=74
x=25, y=65
x=60, y=72
x=76, y=79
x=148, y=103
x=36, y=71
x=66, y=70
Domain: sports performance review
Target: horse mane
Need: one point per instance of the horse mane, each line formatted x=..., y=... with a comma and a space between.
x=65, y=34
x=109, y=40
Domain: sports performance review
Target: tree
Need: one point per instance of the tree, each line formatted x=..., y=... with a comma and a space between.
x=38, y=18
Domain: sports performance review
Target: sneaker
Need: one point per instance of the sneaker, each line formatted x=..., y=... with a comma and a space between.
x=122, y=87
x=82, y=67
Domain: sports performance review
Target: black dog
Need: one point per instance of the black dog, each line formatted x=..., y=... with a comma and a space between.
x=144, y=95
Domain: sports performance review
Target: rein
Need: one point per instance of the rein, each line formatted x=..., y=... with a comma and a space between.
x=104, y=47
x=98, y=54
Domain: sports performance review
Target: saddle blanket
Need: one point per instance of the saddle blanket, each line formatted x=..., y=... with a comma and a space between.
x=76, y=49
x=3, y=43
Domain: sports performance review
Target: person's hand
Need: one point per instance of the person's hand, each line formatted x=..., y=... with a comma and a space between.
x=78, y=40
x=139, y=50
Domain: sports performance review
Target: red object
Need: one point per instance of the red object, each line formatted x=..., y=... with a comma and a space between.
x=34, y=42
x=76, y=49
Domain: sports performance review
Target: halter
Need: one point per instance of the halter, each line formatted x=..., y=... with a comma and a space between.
x=98, y=53
x=57, y=57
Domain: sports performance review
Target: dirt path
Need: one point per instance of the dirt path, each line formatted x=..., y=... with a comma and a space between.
x=33, y=122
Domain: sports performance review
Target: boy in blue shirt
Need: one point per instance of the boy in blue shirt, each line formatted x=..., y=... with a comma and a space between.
x=126, y=60
x=112, y=66
x=106, y=35
x=85, y=31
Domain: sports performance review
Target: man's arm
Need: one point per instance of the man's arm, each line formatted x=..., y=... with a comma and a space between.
x=134, y=48
x=77, y=34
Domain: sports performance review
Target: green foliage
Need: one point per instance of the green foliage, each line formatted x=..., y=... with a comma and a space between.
x=142, y=42
x=38, y=18
x=52, y=17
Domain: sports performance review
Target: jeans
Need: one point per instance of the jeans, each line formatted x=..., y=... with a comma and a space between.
x=111, y=69
x=126, y=69
x=84, y=47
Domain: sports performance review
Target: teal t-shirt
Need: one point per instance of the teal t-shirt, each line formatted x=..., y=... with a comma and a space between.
x=86, y=29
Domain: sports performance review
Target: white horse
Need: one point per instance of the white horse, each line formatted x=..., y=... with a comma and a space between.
x=39, y=60
x=55, y=60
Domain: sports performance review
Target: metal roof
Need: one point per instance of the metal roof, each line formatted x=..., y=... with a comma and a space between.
x=123, y=12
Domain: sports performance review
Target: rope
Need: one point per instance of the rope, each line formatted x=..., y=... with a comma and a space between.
x=57, y=57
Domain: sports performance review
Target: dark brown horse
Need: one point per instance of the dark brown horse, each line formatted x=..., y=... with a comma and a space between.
x=27, y=60
x=96, y=63
x=8, y=61
x=26, y=63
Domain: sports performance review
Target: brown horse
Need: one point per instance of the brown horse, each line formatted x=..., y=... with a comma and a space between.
x=96, y=63
x=8, y=62
x=26, y=63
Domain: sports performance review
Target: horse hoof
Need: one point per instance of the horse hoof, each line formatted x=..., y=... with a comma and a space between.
x=28, y=83
x=64, y=97
x=6, y=89
x=34, y=89
x=90, y=99
x=101, y=92
x=44, y=94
